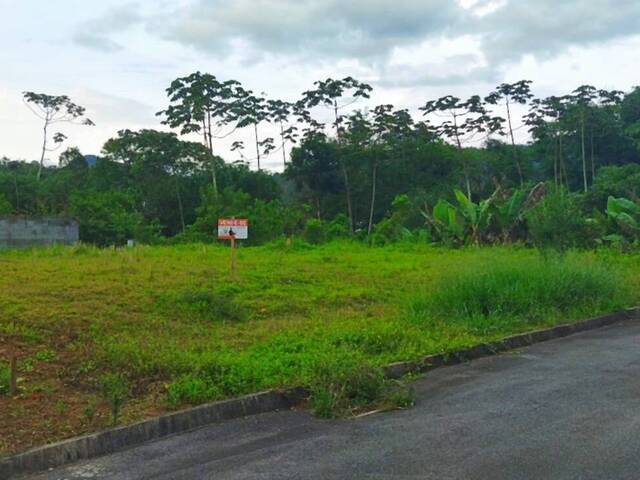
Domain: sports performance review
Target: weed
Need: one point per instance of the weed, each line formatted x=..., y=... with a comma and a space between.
x=115, y=391
x=45, y=355
x=192, y=390
x=343, y=385
x=89, y=410
x=5, y=379
x=500, y=296
x=61, y=407
x=211, y=306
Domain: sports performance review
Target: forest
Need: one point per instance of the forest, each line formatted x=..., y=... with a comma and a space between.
x=457, y=172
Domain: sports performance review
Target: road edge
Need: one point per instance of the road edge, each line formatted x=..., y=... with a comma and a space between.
x=120, y=438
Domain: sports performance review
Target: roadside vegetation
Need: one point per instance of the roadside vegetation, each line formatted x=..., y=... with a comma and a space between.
x=109, y=335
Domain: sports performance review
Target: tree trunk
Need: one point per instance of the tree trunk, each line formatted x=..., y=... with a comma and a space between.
x=255, y=128
x=513, y=145
x=593, y=160
x=347, y=188
x=584, y=156
x=208, y=143
x=563, y=167
x=44, y=147
x=284, y=153
x=180, y=208
x=373, y=196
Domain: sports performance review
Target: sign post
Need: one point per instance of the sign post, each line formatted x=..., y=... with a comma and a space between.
x=233, y=229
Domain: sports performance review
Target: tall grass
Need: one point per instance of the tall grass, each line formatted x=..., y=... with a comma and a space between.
x=535, y=290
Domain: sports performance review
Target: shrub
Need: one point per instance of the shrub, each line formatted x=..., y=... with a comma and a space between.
x=557, y=222
x=314, y=231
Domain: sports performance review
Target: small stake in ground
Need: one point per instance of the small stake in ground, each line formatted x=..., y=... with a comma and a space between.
x=233, y=229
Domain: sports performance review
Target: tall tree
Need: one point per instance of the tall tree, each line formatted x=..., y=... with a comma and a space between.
x=460, y=120
x=200, y=103
x=508, y=94
x=279, y=112
x=338, y=95
x=54, y=109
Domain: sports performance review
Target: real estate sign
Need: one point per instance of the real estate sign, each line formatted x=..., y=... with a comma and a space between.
x=231, y=228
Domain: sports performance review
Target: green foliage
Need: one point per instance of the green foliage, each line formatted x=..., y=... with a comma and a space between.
x=624, y=217
x=509, y=214
x=489, y=299
x=109, y=218
x=447, y=223
x=5, y=379
x=314, y=231
x=342, y=385
x=115, y=391
x=5, y=207
x=193, y=390
x=208, y=305
x=557, y=222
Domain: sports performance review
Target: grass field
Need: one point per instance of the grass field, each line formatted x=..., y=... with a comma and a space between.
x=162, y=327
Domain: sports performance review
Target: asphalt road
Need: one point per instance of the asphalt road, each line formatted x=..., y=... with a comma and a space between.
x=565, y=409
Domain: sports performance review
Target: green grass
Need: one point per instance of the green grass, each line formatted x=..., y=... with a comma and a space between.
x=170, y=322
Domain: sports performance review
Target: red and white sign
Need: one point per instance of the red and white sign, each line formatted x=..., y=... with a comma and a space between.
x=233, y=228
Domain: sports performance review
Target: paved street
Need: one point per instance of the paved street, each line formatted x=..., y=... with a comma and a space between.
x=565, y=409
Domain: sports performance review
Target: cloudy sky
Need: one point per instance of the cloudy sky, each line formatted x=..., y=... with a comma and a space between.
x=116, y=57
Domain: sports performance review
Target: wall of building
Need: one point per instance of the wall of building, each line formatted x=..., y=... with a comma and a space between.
x=21, y=232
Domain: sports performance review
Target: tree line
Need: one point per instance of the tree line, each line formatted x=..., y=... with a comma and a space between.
x=351, y=169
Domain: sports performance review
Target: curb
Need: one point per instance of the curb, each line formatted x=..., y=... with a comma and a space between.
x=120, y=438
x=399, y=369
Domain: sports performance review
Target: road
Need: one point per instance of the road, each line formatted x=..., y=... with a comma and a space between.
x=565, y=409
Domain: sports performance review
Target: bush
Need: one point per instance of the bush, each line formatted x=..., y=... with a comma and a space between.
x=498, y=297
x=5, y=207
x=314, y=231
x=558, y=222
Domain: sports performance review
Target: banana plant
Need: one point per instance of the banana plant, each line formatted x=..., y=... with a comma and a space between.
x=508, y=214
x=625, y=214
x=446, y=222
x=477, y=215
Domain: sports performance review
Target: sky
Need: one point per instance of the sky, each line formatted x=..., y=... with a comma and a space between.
x=117, y=57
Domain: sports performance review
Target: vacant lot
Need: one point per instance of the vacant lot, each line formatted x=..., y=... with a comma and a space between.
x=171, y=325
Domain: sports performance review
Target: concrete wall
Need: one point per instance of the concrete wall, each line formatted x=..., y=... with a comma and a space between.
x=20, y=232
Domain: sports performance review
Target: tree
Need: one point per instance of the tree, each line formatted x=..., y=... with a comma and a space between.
x=54, y=109
x=199, y=103
x=462, y=120
x=279, y=112
x=508, y=94
x=329, y=93
x=253, y=110
x=157, y=161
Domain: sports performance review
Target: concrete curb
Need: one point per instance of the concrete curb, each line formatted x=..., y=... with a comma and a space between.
x=120, y=438
x=399, y=369
x=113, y=440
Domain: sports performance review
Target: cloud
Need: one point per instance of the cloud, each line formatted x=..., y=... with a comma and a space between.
x=317, y=32
x=370, y=30
x=97, y=34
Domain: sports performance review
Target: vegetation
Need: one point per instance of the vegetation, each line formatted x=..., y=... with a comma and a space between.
x=166, y=327
x=450, y=194
x=455, y=175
